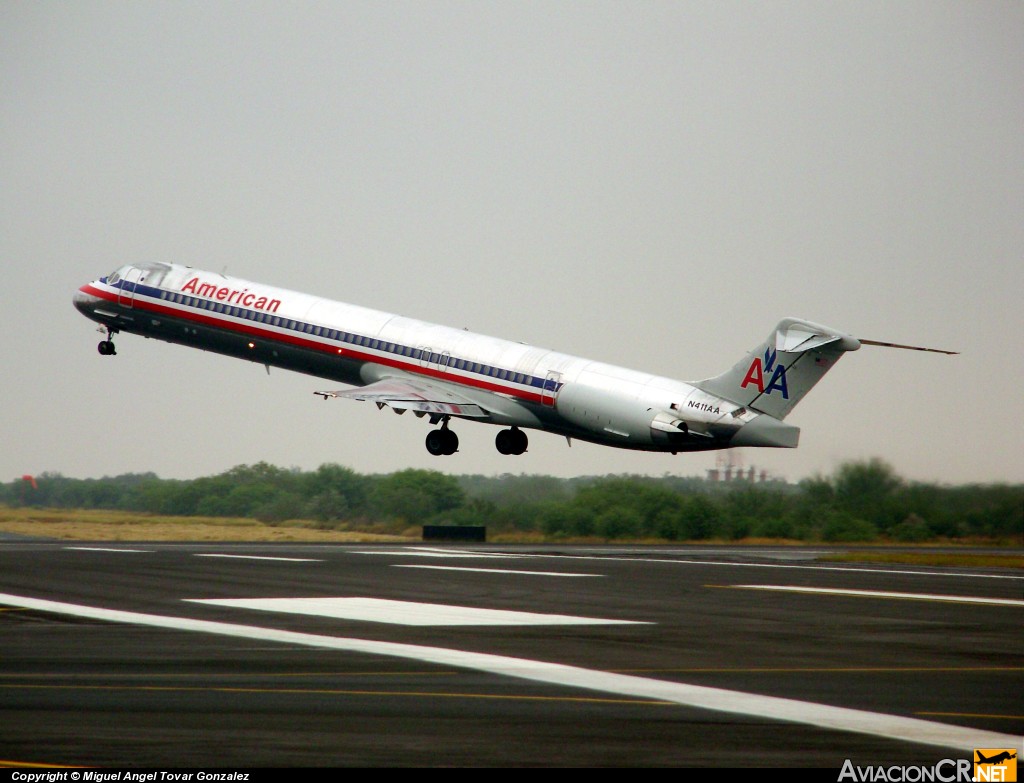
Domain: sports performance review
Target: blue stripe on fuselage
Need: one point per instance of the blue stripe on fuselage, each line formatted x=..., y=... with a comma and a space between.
x=404, y=352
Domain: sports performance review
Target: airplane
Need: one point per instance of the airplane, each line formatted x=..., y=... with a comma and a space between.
x=445, y=373
x=996, y=759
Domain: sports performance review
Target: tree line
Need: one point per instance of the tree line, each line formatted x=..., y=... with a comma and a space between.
x=859, y=501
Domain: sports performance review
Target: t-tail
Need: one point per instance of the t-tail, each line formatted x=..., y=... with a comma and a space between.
x=777, y=374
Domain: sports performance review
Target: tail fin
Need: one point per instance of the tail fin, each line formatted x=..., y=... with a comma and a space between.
x=777, y=374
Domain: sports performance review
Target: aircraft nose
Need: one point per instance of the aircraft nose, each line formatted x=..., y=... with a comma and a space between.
x=83, y=301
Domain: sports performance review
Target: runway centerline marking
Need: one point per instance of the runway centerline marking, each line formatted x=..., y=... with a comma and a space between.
x=260, y=557
x=954, y=599
x=108, y=549
x=380, y=610
x=491, y=570
x=896, y=727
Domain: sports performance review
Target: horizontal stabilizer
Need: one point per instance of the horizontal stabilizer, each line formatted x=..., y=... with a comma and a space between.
x=797, y=338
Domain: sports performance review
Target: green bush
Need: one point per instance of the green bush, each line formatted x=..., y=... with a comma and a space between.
x=911, y=529
x=843, y=526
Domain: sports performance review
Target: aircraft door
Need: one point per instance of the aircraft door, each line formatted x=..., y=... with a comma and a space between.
x=424, y=355
x=434, y=360
x=129, y=280
x=549, y=391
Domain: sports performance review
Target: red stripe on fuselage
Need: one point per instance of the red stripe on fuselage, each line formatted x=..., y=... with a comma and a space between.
x=255, y=331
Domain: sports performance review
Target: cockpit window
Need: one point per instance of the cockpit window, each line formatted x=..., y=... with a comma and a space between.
x=116, y=275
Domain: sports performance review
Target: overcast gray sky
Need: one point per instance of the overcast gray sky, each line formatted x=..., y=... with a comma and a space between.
x=649, y=184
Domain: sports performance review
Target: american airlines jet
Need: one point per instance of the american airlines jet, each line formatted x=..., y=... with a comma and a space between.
x=444, y=373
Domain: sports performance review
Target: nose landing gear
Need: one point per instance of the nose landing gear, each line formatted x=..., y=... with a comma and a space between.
x=106, y=347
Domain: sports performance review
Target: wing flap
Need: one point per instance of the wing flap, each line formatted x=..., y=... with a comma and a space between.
x=422, y=396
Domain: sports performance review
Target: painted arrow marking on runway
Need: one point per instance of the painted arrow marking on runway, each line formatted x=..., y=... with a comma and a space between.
x=699, y=697
x=380, y=610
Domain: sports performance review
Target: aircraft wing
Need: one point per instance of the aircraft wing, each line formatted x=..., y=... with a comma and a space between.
x=418, y=395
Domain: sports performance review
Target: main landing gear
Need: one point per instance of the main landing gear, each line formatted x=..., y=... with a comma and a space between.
x=511, y=441
x=106, y=347
x=442, y=441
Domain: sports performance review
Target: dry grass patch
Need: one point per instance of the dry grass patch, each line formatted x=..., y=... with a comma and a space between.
x=99, y=525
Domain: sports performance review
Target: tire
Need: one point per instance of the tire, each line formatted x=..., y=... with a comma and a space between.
x=436, y=442
x=451, y=443
x=519, y=441
x=503, y=442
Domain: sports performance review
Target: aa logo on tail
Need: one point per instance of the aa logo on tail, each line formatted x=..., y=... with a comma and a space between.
x=758, y=370
x=995, y=764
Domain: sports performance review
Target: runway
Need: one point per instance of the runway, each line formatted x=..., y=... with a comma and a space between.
x=242, y=655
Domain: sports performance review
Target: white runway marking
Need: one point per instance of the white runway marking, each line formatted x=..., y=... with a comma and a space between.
x=847, y=570
x=262, y=557
x=844, y=569
x=108, y=549
x=428, y=552
x=956, y=599
x=379, y=610
x=837, y=718
x=494, y=570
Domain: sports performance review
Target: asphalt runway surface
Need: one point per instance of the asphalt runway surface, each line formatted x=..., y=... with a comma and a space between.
x=252, y=655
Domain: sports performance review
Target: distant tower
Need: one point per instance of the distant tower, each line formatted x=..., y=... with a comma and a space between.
x=729, y=464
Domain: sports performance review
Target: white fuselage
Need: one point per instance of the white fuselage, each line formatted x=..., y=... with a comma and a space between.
x=515, y=384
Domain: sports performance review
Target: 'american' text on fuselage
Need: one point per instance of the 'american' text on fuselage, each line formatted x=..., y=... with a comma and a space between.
x=243, y=297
